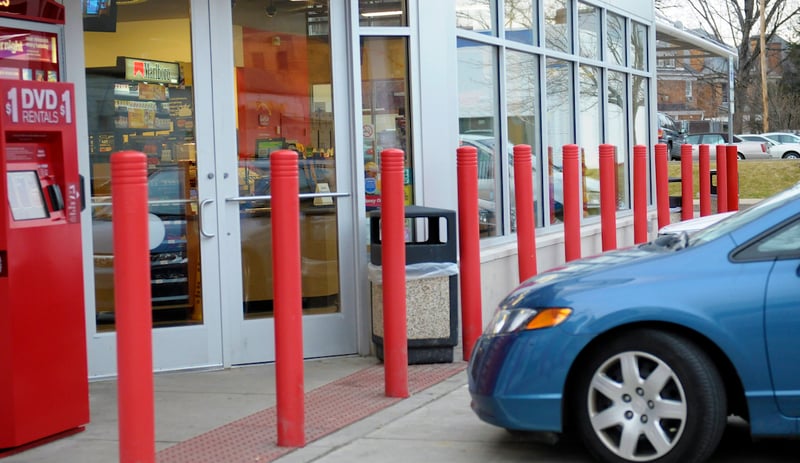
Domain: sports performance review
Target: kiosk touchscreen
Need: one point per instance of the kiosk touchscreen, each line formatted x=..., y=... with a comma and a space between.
x=44, y=389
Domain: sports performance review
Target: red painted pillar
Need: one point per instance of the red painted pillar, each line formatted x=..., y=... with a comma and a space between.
x=722, y=179
x=572, y=204
x=286, y=284
x=469, y=247
x=687, y=185
x=705, y=181
x=608, y=197
x=639, y=194
x=395, y=331
x=662, y=185
x=733, y=177
x=523, y=195
x=133, y=313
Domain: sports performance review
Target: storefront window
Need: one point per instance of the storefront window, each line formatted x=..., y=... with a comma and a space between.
x=589, y=31
x=559, y=129
x=476, y=15
x=591, y=132
x=139, y=97
x=478, y=126
x=641, y=109
x=522, y=99
x=384, y=96
x=618, y=131
x=382, y=13
x=615, y=38
x=639, y=46
x=521, y=21
x=558, y=34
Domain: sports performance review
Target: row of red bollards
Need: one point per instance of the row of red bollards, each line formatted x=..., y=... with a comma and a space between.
x=131, y=249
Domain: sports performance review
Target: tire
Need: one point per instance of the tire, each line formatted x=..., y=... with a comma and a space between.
x=740, y=156
x=677, y=416
x=791, y=155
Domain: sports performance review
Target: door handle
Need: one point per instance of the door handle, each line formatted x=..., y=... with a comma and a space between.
x=203, y=231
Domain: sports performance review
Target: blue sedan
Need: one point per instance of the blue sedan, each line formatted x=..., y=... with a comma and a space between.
x=644, y=352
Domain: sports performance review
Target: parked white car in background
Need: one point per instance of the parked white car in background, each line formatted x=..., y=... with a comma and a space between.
x=782, y=137
x=745, y=149
x=777, y=150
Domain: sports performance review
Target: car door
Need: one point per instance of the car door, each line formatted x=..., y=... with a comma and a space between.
x=782, y=311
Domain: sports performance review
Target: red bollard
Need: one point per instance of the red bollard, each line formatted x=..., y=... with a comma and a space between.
x=662, y=186
x=469, y=246
x=687, y=186
x=733, y=177
x=523, y=195
x=705, y=181
x=132, y=301
x=286, y=284
x=395, y=331
x=572, y=205
x=722, y=179
x=639, y=194
x=608, y=197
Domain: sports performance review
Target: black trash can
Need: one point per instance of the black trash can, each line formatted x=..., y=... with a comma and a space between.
x=431, y=284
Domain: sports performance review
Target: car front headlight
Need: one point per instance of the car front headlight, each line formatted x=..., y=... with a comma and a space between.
x=521, y=319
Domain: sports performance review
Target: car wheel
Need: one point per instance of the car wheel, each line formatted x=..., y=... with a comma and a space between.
x=649, y=395
x=791, y=155
x=740, y=156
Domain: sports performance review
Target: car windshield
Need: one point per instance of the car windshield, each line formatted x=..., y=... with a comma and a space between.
x=735, y=221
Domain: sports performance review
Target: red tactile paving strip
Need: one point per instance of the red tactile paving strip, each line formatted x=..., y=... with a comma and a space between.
x=328, y=408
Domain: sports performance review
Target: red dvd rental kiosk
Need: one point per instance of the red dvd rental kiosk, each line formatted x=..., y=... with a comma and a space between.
x=44, y=389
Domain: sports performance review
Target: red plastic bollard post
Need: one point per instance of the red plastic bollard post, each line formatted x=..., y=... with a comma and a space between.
x=132, y=302
x=639, y=194
x=705, y=181
x=733, y=177
x=287, y=290
x=469, y=247
x=687, y=185
x=523, y=195
x=572, y=205
x=662, y=185
x=395, y=342
x=608, y=197
x=722, y=179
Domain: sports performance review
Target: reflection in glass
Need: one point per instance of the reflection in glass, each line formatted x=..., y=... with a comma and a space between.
x=520, y=21
x=384, y=96
x=641, y=110
x=591, y=130
x=560, y=128
x=386, y=13
x=589, y=31
x=618, y=133
x=478, y=125
x=639, y=45
x=522, y=95
x=556, y=25
x=615, y=35
x=476, y=15
x=156, y=118
x=276, y=112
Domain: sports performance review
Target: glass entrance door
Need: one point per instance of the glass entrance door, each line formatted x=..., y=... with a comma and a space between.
x=286, y=91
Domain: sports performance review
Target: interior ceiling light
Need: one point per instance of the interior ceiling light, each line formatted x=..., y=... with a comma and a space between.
x=377, y=14
x=129, y=2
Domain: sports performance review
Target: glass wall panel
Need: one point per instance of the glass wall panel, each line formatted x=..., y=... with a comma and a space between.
x=641, y=110
x=477, y=15
x=589, y=31
x=140, y=97
x=382, y=13
x=615, y=39
x=591, y=135
x=618, y=132
x=478, y=109
x=557, y=31
x=639, y=46
x=559, y=128
x=522, y=100
x=384, y=96
x=520, y=21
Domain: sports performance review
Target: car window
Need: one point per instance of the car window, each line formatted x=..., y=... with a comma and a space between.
x=784, y=243
x=713, y=139
x=693, y=139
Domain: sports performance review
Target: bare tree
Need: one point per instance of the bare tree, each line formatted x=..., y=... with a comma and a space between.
x=736, y=22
